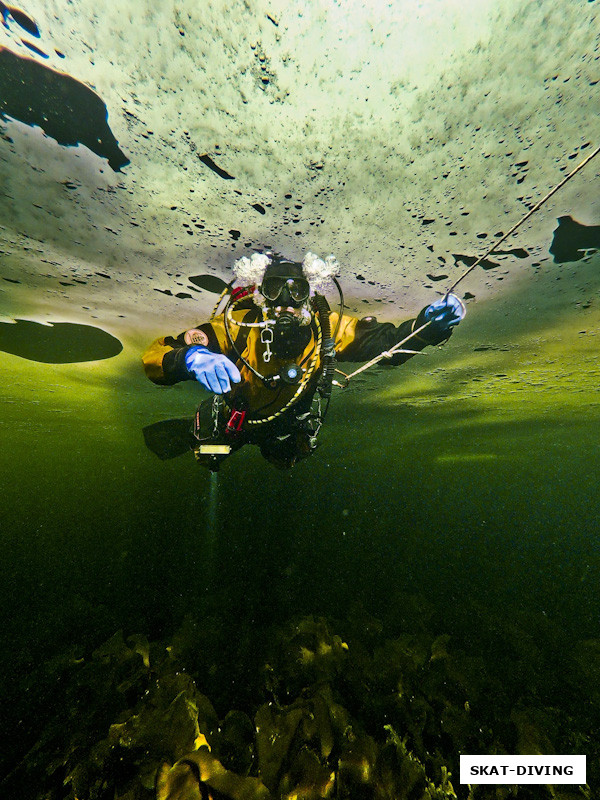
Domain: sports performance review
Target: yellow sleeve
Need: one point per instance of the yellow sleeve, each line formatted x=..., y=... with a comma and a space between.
x=152, y=359
x=347, y=331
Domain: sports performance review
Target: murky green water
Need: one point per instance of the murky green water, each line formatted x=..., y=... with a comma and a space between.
x=473, y=516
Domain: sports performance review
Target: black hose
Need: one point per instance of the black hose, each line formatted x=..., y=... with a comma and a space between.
x=327, y=347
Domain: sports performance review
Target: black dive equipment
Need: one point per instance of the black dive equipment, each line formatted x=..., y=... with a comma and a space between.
x=210, y=447
x=290, y=334
x=291, y=374
x=327, y=349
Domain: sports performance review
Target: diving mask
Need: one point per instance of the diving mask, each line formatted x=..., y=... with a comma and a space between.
x=273, y=286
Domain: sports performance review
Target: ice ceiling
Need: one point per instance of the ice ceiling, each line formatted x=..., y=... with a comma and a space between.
x=145, y=146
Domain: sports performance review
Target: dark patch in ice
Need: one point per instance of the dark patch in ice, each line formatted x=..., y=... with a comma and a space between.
x=209, y=282
x=235, y=235
x=206, y=159
x=572, y=240
x=259, y=208
x=60, y=343
x=468, y=261
x=436, y=277
x=65, y=109
x=468, y=296
x=518, y=252
x=21, y=18
x=34, y=48
x=165, y=291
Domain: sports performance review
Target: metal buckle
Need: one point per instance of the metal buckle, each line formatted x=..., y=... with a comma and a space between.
x=266, y=337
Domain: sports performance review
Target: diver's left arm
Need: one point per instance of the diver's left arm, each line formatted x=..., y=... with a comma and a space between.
x=364, y=339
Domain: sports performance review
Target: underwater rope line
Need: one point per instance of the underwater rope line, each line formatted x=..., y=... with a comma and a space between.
x=397, y=348
x=531, y=211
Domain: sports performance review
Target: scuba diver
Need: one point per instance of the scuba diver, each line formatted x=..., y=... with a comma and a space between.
x=270, y=356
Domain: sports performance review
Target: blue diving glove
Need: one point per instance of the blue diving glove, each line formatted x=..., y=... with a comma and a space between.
x=213, y=370
x=445, y=313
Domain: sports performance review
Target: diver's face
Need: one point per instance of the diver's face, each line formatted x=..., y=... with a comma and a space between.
x=286, y=292
x=285, y=288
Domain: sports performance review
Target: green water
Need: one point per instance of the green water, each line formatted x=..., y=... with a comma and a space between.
x=442, y=497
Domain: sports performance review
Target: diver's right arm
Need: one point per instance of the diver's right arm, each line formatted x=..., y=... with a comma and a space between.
x=164, y=361
x=169, y=360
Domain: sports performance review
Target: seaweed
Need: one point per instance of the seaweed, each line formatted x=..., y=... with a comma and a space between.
x=363, y=715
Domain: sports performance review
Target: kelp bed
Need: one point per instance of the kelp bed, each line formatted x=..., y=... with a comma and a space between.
x=325, y=709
